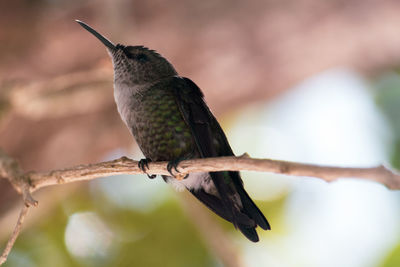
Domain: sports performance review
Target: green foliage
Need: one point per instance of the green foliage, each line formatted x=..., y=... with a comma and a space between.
x=395, y=159
x=393, y=259
x=388, y=99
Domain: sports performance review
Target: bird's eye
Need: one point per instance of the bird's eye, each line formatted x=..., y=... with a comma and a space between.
x=141, y=57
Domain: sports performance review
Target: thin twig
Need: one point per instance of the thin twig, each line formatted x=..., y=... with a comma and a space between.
x=9, y=168
x=15, y=234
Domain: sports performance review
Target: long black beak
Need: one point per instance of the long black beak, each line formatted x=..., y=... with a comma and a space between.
x=102, y=39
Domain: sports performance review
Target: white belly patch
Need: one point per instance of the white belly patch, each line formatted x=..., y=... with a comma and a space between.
x=195, y=181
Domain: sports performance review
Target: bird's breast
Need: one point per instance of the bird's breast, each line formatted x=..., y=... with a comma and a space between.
x=155, y=121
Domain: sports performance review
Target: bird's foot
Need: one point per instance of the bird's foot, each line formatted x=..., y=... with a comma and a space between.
x=173, y=164
x=143, y=164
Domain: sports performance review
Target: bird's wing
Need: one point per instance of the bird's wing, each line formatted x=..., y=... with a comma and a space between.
x=212, y=142
x=209, y=137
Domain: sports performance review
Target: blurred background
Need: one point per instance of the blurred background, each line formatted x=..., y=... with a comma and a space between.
x=301, y=80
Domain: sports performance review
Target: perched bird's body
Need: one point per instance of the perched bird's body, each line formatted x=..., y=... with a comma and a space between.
x=170, y=121
x=155, y=121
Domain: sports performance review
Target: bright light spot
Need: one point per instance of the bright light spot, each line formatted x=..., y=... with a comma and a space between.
x=86, y=236
x=331, y=119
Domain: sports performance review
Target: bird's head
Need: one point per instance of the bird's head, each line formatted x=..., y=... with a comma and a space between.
x=134, y=65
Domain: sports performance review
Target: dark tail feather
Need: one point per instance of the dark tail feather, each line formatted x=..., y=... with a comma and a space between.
x=248, y=205
x=243, y=222
x=228, y=198
x=246, y=216
x=213, y=203
x=216, y=205
x=250, y=233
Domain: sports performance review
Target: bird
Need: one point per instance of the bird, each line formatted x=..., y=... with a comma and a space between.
x=170, y=121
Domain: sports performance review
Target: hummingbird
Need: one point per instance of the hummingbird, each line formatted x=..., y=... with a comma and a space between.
x=170, y=121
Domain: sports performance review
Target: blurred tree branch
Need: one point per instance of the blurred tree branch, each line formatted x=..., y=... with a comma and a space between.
x=26, y=183
x=61, y=96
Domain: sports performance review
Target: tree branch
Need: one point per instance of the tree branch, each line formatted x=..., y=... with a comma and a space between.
x=25, y=183
x=125, y=165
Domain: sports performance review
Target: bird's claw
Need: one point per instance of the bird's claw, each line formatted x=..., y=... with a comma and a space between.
x=173, y=164
x=143, y=164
